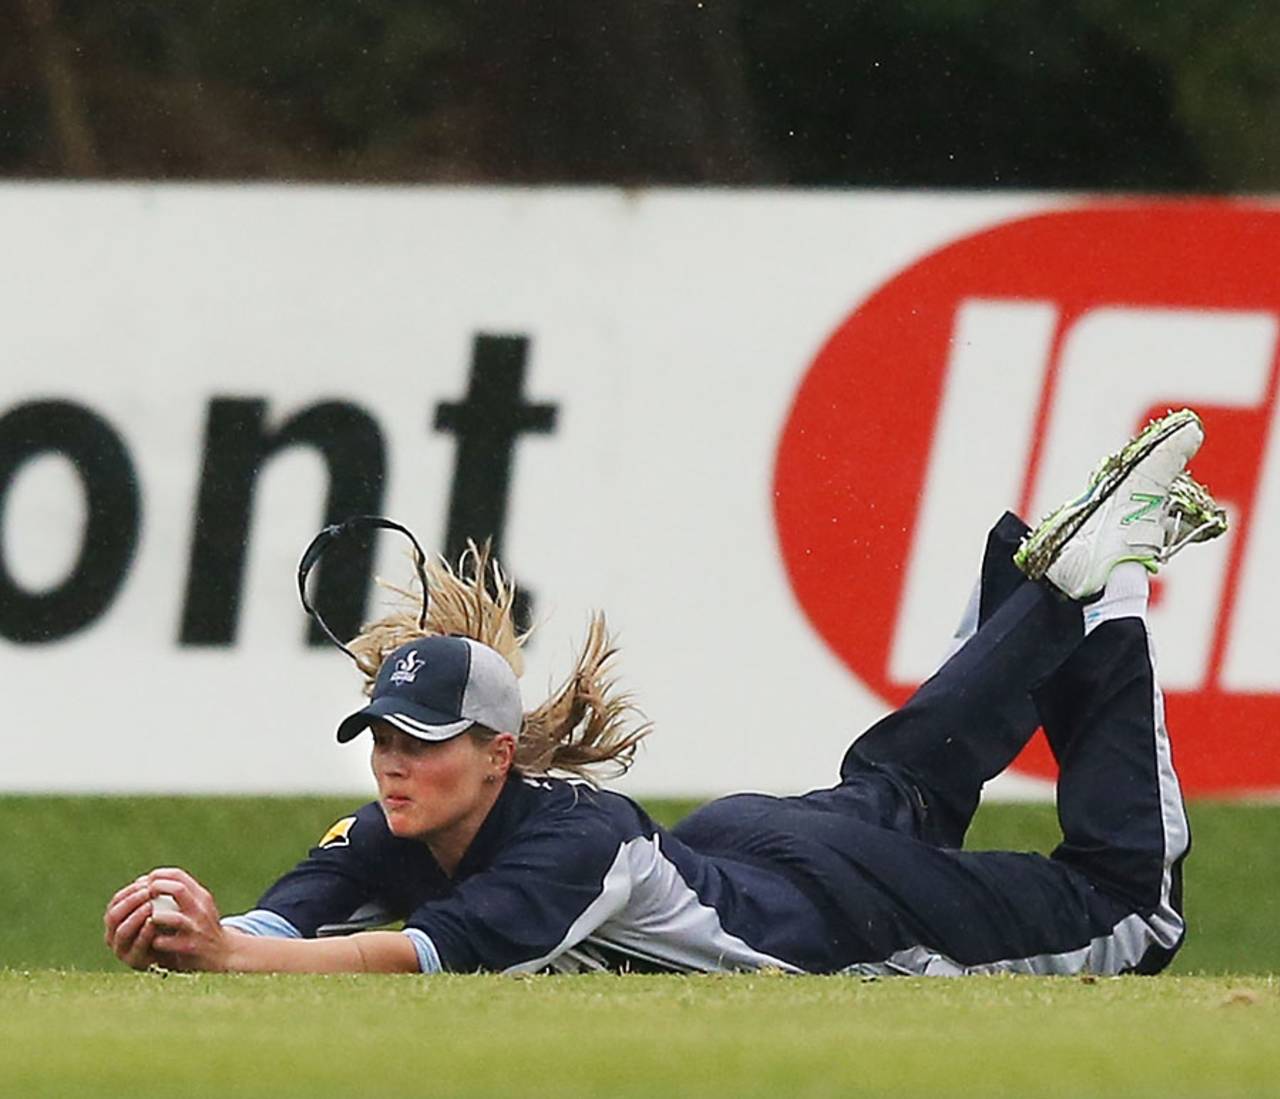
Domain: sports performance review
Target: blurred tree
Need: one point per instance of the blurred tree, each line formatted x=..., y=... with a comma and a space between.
x=41, y=111
x=243, y=89
x=51, y=56
x=405, y=89
x=22, y=104
x=974, y=93
x=612, y=90
x=1223, y=60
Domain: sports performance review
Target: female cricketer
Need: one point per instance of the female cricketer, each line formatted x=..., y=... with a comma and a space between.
x=493, y=852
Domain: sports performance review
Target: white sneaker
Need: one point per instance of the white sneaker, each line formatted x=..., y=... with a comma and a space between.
x=1124, y=514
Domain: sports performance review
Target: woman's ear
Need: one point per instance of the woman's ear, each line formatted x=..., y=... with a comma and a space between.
x=502, y=752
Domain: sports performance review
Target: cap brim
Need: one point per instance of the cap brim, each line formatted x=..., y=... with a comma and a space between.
x=417, y=721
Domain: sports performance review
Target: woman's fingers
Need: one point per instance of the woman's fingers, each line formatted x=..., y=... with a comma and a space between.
x=190, y=894
x=125, y=903
x=121, y=897
x=195, y=902
x=172, y=933
x=163, y=887
x=124, y=890
x=139, y=955
x=130, y=940
x=175, y=874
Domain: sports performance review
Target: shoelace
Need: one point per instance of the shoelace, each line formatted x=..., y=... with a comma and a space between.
x=1179, y=544
x=1192, y=499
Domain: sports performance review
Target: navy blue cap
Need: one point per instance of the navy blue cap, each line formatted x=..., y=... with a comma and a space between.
x=437, y=687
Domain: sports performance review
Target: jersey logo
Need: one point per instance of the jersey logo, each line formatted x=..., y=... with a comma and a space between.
x=407, y=668
x=992, y=374
x=339, y=835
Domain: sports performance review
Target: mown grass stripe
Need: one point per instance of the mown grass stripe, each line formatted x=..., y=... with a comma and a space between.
x=62, y=857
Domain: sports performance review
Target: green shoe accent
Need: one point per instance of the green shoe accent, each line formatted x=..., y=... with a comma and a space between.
x=1149, y=563
x=1149, y=501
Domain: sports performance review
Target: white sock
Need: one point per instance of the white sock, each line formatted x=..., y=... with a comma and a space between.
x=1125, y=596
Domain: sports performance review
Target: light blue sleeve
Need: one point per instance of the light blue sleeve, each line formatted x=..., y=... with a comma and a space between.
x=428, y=958
x=272, y=925
x=262, y=922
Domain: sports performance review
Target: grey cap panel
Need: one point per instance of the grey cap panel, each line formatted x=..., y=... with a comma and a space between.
x=492, y=695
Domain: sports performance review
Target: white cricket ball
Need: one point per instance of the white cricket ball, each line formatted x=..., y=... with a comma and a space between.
x=163, y=904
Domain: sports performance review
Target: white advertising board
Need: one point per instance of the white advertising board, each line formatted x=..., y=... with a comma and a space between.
x=678, y=350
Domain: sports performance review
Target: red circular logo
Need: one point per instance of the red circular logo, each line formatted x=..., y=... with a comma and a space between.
x=976, y=378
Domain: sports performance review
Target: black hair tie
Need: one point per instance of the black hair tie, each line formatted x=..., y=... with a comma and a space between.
x=321, y=542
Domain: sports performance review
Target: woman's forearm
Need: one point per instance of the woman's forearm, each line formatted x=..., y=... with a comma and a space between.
x=365, y=952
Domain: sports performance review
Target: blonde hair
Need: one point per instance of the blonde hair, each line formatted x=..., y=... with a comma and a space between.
x=584, y=726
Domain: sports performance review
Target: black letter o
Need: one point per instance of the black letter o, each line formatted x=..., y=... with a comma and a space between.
x=111, y=531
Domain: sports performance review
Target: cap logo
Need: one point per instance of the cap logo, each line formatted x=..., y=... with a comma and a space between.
x=407, y=668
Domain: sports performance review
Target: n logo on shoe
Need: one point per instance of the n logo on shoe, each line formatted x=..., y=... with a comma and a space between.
x=992, y=374
x=1148, y=506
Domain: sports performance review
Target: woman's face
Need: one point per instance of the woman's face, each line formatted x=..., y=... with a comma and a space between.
x=428, y=789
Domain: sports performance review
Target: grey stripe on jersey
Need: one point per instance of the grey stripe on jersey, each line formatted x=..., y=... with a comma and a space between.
x=648, y=911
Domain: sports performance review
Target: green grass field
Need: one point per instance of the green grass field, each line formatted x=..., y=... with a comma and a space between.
x=1207, y=1029
x=83, y=1034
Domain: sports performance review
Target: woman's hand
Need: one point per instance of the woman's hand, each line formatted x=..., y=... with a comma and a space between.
x=128, y=929
x=194, y=938
x=191, y=938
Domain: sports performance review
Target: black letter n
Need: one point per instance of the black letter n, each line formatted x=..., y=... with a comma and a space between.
x=236, y=447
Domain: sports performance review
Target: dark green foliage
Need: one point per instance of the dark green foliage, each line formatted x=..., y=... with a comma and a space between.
x=934, y=93
x=976, y=94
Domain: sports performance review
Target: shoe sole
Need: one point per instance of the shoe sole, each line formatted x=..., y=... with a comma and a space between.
x=1041, y=547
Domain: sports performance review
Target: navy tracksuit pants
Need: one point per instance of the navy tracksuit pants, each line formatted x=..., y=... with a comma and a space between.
x=1108, y=899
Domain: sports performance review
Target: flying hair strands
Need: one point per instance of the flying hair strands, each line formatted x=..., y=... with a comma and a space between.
x=585, y=726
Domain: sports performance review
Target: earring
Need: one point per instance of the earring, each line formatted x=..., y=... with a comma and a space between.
x=491, y=778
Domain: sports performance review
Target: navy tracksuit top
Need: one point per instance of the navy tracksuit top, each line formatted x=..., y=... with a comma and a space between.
x=566, y=876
